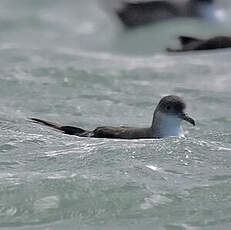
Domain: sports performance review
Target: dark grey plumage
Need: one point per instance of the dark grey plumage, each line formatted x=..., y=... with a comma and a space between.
x=197, y=44
x=141, y=13
x=133, y=14
x=169, y=112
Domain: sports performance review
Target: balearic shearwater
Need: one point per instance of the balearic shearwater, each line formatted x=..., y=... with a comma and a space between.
x=135, y=13
x=196, y=44
x=166, y=122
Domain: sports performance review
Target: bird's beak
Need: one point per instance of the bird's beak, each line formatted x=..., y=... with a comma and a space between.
x=187, y=118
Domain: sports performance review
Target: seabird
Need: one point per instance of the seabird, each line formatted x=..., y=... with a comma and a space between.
x=166, y=122
x=191, y=43
x=136, y=13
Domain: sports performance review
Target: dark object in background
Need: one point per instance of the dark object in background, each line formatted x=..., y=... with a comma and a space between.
x=196, y=44
x=133, y=14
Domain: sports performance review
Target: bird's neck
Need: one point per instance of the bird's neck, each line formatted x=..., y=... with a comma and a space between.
x=164, y=125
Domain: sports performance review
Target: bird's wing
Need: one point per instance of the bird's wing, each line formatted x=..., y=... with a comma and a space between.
x=114, y=132
x=185, y=40
x=138, y=13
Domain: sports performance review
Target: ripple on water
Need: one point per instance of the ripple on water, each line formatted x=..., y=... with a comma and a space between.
x=7, y=147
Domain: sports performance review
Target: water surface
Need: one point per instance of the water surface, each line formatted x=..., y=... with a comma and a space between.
x=72, y=63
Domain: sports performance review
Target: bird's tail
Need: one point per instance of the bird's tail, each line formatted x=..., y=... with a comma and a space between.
x=184, y=40
x=66, y=129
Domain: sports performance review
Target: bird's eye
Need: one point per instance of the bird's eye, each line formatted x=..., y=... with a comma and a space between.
x=168, y=107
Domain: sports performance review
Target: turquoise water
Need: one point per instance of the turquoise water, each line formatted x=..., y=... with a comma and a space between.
x=72, y=63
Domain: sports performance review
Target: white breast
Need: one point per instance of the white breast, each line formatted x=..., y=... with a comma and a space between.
x=169, y=125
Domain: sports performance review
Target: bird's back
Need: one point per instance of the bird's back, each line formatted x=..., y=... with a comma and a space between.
x=139, y=13
x=122, y=132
